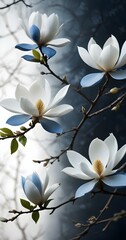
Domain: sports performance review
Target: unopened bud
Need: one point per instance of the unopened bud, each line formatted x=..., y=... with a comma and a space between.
x=23, y=128
x=83, y=109
x=116, y=108
x=114, y=90
x=78, y=225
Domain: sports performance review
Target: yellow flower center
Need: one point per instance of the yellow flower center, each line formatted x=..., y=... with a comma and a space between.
x=98, y=167
x=40, y=106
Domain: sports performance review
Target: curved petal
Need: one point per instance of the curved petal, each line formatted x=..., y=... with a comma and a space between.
x=91, y=79
x=59, y=110
x=29, y=58
x=85, y=56
x=37, y=182
x=122, y=58
x=49, y=52
x=34, y=33
x=28, y=107
x=11, y=105
x=91, y=41
x=76, y=173
x=118, y=180
x=32, y=192
x=98, y=150
x=112, y=145
x=21, y=91
x=85, y=188
x=40, y=89
x=95, y=52
x=112, y=41
x=50, y=190
x=108, y=58
x=18, y=119
x=75, y=159
x=59, y=96
x=87, y=169
x=26, y=46
x=118, y=75
x=36, y=19
x=120, y=154
x=49, y=27
x=59, y=42
x=51, y=126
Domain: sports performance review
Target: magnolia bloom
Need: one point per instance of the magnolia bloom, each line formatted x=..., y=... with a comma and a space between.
x=43, y=29
x=37, y=190
x=107, y=60
x=37, y=104
x=104, y=156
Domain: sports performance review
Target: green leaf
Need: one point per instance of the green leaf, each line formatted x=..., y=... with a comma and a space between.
x=14, y=145
x=23, y=140
x=25, y=203
x=35, y=216
x=36, y=54
x=7, y=131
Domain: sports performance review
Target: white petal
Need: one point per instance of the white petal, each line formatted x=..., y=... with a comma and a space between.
x=32, y=192
x=118, y=75
x=35, y=19
x=120, y=154
x=75, y=159
x=91, y=41
x=85, y=188
x=85, y=56
x=98, y=150
x=76, y=173
x=111, y=142
x=50, y=190
x=59, y=96
x=40, y=89
x=28, y=107
x=112, y=41
x=87, y=168
x=59, y=110
x=11, y=105
x=21, y=91
x=122, y=58
x=49, y=27
x=118, y=180
x=59, y=42
x=108, y=58
x=95, y=52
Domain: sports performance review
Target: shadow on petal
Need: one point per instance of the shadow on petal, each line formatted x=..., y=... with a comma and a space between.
x=91, y=79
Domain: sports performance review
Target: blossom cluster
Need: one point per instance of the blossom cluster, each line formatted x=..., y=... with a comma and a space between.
x=39, y=105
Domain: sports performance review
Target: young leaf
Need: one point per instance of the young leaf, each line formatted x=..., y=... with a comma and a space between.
x=14, y=145
x=25, y=203
x=35, y=216
x=7, y=131
x=22, y=140
x=36, y=54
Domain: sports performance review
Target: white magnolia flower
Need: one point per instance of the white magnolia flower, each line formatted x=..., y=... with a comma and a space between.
x=107, y=60
x=37, y=103
x=37, y=190
x=43, y=29
x=104, y=156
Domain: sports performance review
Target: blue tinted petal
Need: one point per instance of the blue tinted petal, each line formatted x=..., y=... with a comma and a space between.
x=35, y=33
x=91, y=79
x=49, y=52
x=29, y=58
x=18, y=119
x=23, y=182
x=51, y=126
x=85, y=188
x=118, y=75
x=118, y=180
x=26, y=47
x=37, y=182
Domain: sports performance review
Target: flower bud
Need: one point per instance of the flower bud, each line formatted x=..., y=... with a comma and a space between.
x=114, y=90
